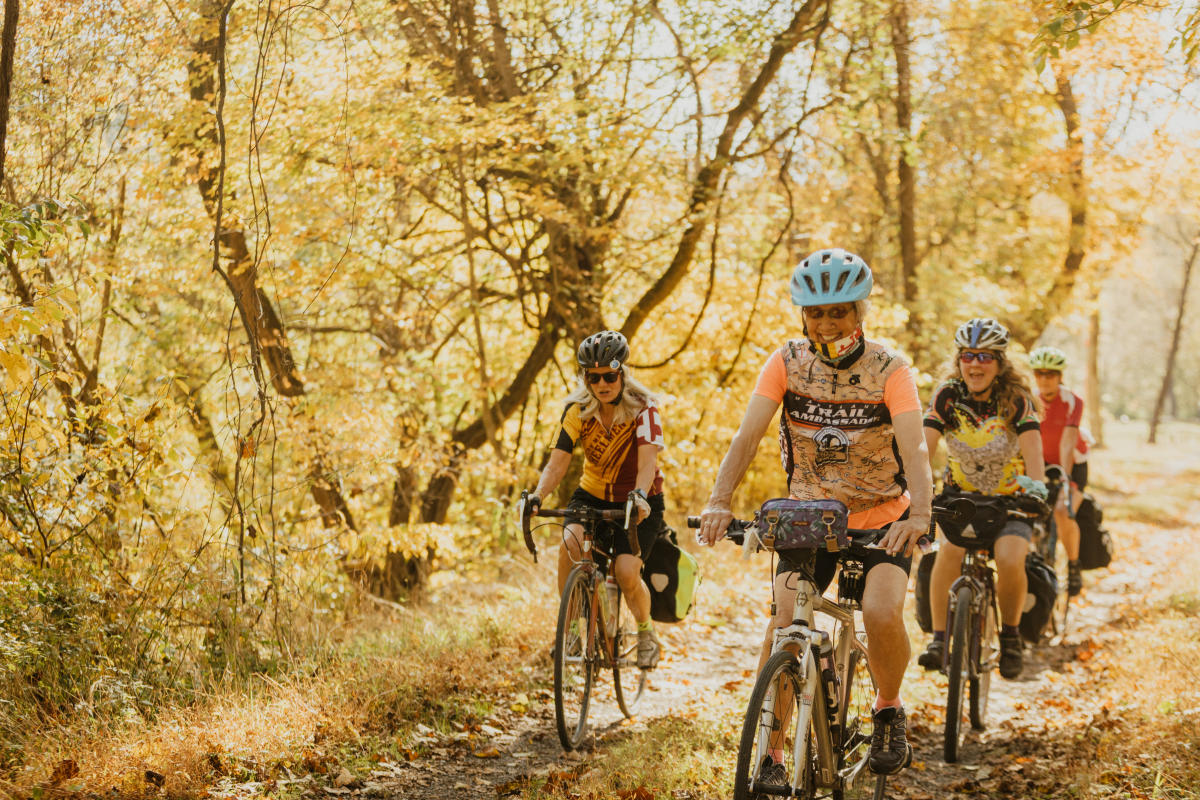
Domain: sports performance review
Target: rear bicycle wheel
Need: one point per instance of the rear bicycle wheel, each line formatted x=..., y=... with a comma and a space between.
x=629, y=682
x=855, y=720
x=771, y=723
x=989, y=653
x=957, y=673
x=575, y=650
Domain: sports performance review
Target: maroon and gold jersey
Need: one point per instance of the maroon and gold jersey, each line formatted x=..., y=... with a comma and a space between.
x=610, y=455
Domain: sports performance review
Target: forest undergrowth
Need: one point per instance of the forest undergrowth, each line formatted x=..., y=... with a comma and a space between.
x=1114, y=712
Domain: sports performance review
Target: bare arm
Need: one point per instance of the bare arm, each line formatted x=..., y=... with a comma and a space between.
x=932, y=437
x=716, y=515
x=552, y=475
x=1066, y=449
x=903, y=534
x=1031, y=450
x=647, y=467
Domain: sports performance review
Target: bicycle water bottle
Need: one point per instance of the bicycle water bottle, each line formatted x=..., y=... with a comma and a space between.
x=611, y=599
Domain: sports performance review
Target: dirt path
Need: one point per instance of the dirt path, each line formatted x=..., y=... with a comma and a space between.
x=706, y=673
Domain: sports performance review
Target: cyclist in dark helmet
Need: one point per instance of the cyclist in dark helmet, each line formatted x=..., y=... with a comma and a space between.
x=850, y=431
x=615, y=419
x=986, y=413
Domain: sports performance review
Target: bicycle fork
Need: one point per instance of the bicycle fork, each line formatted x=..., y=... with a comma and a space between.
x=816, y=704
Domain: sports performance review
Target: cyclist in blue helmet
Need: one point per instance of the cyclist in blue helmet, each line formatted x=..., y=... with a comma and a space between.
x=850, y=431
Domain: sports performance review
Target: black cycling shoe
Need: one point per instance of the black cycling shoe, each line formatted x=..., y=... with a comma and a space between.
x=1074, y=579
x=771, y=773
x=1011, y=655
x=934, y=654
x=890, y=750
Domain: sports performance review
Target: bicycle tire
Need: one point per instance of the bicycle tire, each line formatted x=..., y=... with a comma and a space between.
x=782, y=671
x=575, y=650
x=625, y=658
x=986, y=659
x=956, y=672
x=855, y=720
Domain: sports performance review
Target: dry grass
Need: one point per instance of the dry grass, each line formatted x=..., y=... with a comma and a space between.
x=443, y=664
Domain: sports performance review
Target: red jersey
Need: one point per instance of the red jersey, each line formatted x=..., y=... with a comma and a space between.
x=1065, y=410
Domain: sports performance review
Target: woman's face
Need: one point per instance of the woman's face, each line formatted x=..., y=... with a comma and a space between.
x=604, y=383
x=1048, y=381
x=827, y=324
x=979, y=368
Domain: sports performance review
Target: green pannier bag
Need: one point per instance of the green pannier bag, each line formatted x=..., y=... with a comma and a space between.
x=672, y=575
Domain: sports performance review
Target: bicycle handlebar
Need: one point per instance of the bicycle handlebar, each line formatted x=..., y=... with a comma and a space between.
x=584, y=513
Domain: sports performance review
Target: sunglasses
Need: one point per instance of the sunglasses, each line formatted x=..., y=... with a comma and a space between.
x=837, y=312
x=608, y=377
x=982, y=358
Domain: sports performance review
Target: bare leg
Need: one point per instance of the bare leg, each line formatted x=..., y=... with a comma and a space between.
x=1068, y=529
x=569, y=553
x=628, y=572
x=1011, y=584
x=946, y=568
x=887, y=638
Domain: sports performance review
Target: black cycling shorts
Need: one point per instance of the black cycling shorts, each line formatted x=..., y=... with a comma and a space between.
x=825, y=565
x=611, y=536
x=1079, y=474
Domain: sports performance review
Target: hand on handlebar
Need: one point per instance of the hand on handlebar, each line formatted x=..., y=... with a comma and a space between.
x=903, y=536
x=713, y=522
x=1033, y=487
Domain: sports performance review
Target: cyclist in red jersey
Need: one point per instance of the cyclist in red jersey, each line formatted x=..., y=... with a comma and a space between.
x=1061, y=412
x=851, y=431
x=615, y=420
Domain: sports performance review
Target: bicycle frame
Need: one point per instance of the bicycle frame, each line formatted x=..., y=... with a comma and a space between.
x=817, y=702
x=977, y=573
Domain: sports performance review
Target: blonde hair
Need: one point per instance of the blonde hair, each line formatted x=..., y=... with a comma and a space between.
x=635, y=397
x=1011, y=383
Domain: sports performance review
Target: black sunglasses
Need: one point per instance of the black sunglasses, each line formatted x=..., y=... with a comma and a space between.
x=608, y=377
x=982, y=358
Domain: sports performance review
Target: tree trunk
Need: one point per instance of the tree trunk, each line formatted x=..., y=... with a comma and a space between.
x=264, y=330
x=1095, y=413
x=8, y=48
x=1169, y=374
x=906, y=175
x=703, y=198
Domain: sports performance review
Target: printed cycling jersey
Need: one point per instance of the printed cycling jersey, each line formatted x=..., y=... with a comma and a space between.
x=985, y=456
x=1064, y=410
x=835, y=433
x=610, y=455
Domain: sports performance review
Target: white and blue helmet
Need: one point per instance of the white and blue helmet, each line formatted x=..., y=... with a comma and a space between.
x=831, y=276
x=981, y=333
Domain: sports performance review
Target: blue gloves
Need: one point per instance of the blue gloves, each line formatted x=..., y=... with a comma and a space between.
x=1030, y=486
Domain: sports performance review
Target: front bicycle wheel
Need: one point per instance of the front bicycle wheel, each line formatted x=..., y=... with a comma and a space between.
x=958, y=667
x=987, y=659
x=771, y=723
x=855, y=721
x=629, y=682
x=574, y=658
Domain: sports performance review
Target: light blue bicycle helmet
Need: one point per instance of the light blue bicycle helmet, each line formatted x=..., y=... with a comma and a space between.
x=831, y=276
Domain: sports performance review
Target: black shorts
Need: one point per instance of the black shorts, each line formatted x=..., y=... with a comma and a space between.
x=821, y=565
x=1079, y=474
x=610, y=536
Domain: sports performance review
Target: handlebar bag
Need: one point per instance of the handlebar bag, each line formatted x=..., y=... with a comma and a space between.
x=672, y=575
x=787, y=524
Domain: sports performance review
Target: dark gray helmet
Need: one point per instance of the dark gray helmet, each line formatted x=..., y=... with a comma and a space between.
x=603, y=349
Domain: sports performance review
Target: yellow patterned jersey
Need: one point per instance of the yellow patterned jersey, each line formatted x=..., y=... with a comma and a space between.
x=985, y=456
x=610, y=455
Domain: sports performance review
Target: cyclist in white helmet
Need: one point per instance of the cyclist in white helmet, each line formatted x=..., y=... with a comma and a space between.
x=615, y=420
x=985, y=411
x=1061, y=413
x=850, y=431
